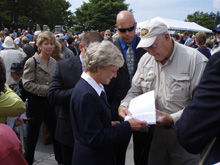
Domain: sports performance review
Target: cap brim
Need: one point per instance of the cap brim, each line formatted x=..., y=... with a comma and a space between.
x=146, y=42
x=9, y=47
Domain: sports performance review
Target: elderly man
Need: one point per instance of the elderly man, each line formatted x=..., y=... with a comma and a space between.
x=11, y=54
x=36, y=34
x=118, y=87
x=172, y=70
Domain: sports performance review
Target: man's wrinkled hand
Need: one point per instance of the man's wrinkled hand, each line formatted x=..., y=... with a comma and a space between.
x=123, y=111
x=166, y=119
x=137, y=125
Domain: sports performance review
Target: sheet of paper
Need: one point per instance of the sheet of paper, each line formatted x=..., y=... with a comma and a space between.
x=143, y=108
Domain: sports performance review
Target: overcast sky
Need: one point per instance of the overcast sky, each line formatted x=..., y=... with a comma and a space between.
x=172, y=9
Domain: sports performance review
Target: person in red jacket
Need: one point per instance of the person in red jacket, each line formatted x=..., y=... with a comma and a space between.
x=11, y=148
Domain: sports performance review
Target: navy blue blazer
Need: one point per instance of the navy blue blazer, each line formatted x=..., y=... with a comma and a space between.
x=94, y=135
x=67, y=74
x=200, y=121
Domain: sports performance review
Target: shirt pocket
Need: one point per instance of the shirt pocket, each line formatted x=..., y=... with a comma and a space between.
x=146, y=85
x=177, y=88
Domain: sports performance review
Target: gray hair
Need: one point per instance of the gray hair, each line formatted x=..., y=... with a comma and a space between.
x=102, y=54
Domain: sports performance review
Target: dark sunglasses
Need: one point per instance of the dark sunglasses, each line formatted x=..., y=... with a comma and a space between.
x=217, y=32
x=123, y=30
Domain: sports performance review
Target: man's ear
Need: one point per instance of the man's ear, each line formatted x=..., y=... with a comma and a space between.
x=167, y=35
x=80, y=47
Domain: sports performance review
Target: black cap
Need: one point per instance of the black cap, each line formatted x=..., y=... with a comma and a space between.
x=17, y=68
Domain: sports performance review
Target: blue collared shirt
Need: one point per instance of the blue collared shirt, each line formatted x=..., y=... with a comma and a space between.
x=124, y=46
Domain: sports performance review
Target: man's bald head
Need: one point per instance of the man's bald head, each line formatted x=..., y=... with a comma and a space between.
x=125, y=16
x=126, y=26
x=25, y=40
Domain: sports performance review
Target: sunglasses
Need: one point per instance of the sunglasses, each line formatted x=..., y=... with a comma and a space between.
x=123, y=30
x=217, y=32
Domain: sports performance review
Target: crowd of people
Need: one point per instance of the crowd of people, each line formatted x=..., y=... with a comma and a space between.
x=80, y=86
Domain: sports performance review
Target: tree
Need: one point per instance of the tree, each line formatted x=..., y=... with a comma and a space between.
x=217, y=20
x=29, y=13
x=98, y=14
x=203, y=19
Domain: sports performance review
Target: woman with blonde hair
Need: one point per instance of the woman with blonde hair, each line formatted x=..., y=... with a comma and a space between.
x=36, y=78
x=56, y=53
x=94, y=133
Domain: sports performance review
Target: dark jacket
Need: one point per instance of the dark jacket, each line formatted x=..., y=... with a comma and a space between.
x=94, y=135
x=199, y=123
x=72, y=49
x=66, y=75
x=29, y=50
x=117, y=89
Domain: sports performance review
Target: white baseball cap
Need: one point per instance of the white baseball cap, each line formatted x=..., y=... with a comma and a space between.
x=149, y=32
x=36, y=33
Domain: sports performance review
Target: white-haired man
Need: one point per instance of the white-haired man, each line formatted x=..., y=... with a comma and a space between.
x=172, y=70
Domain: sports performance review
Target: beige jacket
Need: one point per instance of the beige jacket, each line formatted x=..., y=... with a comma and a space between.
x=173, y=82
x=37, y=82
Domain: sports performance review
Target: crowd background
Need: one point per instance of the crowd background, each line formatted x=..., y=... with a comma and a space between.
x=72, y=40
x=24, y=43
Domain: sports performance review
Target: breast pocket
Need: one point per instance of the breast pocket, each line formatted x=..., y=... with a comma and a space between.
x=147, y=85
x=177, y=88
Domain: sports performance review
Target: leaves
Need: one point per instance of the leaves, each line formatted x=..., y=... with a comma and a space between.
x=209, y=21
x=98, y=14
x=29, y=13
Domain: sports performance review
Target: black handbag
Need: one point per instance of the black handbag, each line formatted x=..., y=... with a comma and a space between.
x=24, y=94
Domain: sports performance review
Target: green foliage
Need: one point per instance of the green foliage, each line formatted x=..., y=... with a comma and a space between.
x=98, y=14
x=209, y=21
x=29, y=13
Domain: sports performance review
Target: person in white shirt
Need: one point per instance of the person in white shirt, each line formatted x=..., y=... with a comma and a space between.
x=172, y=70
x=11, y=54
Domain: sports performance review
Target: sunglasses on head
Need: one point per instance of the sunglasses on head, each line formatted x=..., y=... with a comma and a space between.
x=123, y=30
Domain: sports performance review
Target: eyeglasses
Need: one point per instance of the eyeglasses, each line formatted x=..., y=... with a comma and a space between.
x=154, y=45
x=123, y=30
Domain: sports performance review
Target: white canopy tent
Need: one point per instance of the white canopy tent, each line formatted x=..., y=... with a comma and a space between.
x=176, y=25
